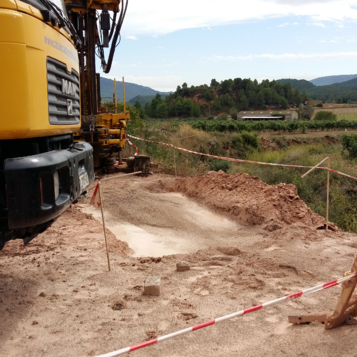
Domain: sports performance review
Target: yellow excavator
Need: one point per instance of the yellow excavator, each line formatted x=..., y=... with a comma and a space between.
x=53, y=132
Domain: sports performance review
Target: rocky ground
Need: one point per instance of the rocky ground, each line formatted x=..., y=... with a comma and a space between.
x=246, y=243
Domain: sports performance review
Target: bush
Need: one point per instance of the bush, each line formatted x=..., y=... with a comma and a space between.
x=323, y=115
x=224, y=116
x=216, y=165
x=320, y=105
x=349, y=143
x=211, y=117
x=250, y=139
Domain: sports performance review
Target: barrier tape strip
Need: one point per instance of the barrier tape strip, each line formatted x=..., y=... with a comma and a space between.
x=343, y=174
x=230, y=316
x=222, y=157
x=131, y=144
x=241, y=160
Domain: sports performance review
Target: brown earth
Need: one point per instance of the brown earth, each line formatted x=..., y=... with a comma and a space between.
x=249, y=200
x=57, y=298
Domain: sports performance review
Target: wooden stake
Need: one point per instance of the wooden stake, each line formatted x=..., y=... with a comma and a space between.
x=105, y=234
x=328, y=185
x=328, y=193
x=175, y=161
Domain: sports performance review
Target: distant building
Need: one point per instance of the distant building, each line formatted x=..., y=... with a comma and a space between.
x=268, y=115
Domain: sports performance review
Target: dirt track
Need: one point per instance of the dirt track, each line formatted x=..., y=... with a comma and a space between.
x=56, y=296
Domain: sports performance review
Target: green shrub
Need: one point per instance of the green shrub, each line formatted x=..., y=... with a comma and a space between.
x=216, y=165
x=320, y=105
x=349, y=143
x=323, y=115
x=237, y=140
x=250, y=139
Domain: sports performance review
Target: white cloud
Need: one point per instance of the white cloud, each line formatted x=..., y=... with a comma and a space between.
x=160, y=83
x=318, y=24
x=167, y=16
x=288, y=23
x=351, y=40
x=131, y=37
x=289, y=56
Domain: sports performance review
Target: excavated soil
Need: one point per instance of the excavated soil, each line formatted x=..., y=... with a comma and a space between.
x=246, y=242
x=248, y=200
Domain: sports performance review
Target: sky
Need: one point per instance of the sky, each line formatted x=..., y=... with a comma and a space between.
x=166, y=43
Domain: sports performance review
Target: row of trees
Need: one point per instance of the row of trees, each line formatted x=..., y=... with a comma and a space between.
x=160, y=108
x=230, y=95
x=281, y=126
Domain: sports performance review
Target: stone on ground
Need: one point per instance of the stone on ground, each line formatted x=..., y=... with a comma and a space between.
x=182, y=266
x=152, y=286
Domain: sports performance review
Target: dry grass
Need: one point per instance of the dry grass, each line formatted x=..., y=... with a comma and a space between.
x=339, y=111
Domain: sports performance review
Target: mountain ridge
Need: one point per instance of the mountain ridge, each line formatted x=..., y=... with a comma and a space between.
x=131, y=90
x=328, y=80
x=343, y=92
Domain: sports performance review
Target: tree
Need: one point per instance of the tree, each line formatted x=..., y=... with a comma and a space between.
x=237, y=83
x=135, y=120
x=243, y=102
x=162, y=110
x=214, y=83
x=140, y=109
x=324, y=115
x=297, y=97
x=268, y=96
x=252, y=97
x=227, y=85
x=304, y=98
x=260, y=101
x=306, y=111
x=148, y=109
x=208, y=95
x=284, y=103
x=187, y=108
x=154, y=103
x=233, y=113
x=217, y=105
x=185, y=91
x=179, y=106
x=196, y=111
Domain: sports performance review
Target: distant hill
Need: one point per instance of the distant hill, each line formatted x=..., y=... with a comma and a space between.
x=131, y=90
x=143, y=99
x=301, y=84
x=344, y=92
x=325, y=81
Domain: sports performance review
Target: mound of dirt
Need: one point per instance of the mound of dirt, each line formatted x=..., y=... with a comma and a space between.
x=249, y=200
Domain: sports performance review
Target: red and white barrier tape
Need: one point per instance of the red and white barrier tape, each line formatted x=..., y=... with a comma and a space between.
x=131, y=144
x=241, y=160
x=230, y=316
x=343, y=174
x=222, y=157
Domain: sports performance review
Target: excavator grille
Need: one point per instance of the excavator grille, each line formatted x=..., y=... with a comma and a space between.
x=63, y=94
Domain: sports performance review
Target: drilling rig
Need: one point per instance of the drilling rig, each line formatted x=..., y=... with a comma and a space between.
x=53, y=132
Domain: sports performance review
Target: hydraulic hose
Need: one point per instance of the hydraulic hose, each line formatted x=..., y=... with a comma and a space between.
x=108, y=66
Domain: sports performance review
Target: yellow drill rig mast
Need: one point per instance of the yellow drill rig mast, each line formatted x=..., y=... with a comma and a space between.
x=97, y=31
